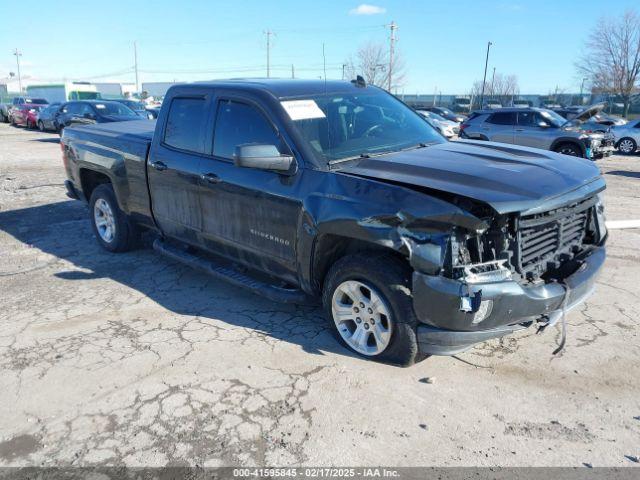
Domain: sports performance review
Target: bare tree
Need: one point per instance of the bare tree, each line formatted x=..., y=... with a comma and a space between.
x=500, y=87
x=612, y=58
x=372, y=62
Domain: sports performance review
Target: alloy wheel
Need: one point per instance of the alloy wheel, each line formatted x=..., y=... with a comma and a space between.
x=104, y=219
x=362, y=317
x=626, y=146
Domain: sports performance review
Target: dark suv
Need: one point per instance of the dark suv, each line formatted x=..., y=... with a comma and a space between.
x=86, y=112
x=538, y=128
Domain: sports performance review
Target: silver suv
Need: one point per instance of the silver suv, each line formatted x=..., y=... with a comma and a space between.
x=538, y=128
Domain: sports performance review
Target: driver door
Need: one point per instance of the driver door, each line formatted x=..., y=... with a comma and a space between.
x=529, y=133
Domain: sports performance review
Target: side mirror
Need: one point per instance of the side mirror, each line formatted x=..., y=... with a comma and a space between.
x=542, y=124
x=263, y=157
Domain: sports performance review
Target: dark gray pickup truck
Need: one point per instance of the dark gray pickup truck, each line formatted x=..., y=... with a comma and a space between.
x=302, y=190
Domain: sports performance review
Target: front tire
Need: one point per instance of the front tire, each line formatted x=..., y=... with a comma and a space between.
x=113, y=230
x=627, y=145
x=568, y=149
x=40, y=126
x=367, y=297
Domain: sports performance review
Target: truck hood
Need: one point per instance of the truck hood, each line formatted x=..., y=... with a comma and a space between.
x=506, y=177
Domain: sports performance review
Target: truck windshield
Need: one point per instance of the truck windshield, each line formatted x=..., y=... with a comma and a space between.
x=342, y=126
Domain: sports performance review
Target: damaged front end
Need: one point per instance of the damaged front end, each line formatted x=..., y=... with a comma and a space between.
x=506, y=273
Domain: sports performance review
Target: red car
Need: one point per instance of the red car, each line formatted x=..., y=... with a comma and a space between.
x=26, y=115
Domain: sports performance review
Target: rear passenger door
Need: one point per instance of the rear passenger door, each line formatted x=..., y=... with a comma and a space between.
x=173, y=165
x=249, y=214
x=501, y=126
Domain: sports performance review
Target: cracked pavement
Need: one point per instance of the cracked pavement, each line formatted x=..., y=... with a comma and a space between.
x=134, y=360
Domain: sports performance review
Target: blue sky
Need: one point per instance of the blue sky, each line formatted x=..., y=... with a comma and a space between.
x=443, y=43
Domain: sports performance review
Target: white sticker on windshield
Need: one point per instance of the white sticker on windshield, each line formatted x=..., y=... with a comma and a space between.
x=302, y=109
x=100, y=105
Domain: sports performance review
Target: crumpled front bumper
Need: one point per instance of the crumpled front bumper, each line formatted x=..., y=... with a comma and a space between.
x=448, y=329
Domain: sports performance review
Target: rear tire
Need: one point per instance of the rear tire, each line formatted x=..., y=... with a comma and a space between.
x=373, y=290
x=627, y=145
x=40, y=126
x=111, y=226
x=568, y=149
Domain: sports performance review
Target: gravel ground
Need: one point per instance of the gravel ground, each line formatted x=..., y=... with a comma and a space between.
x=132, y=359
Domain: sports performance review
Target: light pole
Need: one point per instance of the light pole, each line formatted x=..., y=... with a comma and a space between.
x=493, y=79
x=484, y=79
x=18, y=55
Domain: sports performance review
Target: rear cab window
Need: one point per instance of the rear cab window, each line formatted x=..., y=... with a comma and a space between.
x=186, y=123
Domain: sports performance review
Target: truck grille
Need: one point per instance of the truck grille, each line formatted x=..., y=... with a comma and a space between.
x=546, y=239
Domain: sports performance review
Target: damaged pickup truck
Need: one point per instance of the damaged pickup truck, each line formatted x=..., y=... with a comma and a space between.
x=302, y=190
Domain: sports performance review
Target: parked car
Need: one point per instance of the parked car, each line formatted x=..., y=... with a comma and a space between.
x=138, y=107
x=446, y=127
x=47, y=118
x=4, y=111
x=592, y=118
x=25, y=114
x=538, y=128
x=85, y=112
x=446, y=113
x=336, y=191
x=18, y=102
x=153, y=112
x=627, y=137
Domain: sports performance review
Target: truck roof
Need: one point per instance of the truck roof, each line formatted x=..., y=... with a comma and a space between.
x=283, y=87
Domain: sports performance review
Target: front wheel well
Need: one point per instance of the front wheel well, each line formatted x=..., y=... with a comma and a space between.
x=330, y=248
x=90, y=179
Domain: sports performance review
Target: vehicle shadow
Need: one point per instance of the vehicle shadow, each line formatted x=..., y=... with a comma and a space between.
x=624, y=173
x=55, y=139
x=63, y=230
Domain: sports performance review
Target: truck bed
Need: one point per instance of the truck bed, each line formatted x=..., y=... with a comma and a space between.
x=136, y=130
x=118, y=150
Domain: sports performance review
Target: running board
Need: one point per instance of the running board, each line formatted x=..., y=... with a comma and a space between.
x=234, y=277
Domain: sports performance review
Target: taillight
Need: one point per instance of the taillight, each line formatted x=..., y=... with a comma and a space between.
x=463, y=126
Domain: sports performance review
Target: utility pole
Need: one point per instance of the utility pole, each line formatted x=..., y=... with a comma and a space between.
x=18, y=55
x=135, y=64
x=392, y=40
x=268, y=33
x=344, y=65
x=484, y=80
x=293, y=72
x=493, y=79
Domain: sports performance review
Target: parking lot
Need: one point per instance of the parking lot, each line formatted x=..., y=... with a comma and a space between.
x=132, y=359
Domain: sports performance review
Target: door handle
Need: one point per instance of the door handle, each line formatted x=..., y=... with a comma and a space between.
x=210, y=178
x=160, y=166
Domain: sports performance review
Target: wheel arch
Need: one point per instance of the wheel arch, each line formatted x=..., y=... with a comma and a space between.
x=573, y=141
x=90, y=179
x=330, y=247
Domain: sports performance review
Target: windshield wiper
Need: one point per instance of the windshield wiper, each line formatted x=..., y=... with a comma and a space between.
x=378, y=154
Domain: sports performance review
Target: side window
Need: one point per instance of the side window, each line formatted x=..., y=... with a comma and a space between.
x=186, y=123
x=527, y=119
x=84, y=108
x=238, y=124
x=73, y=109
x=637, y=125
x=503, y=118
